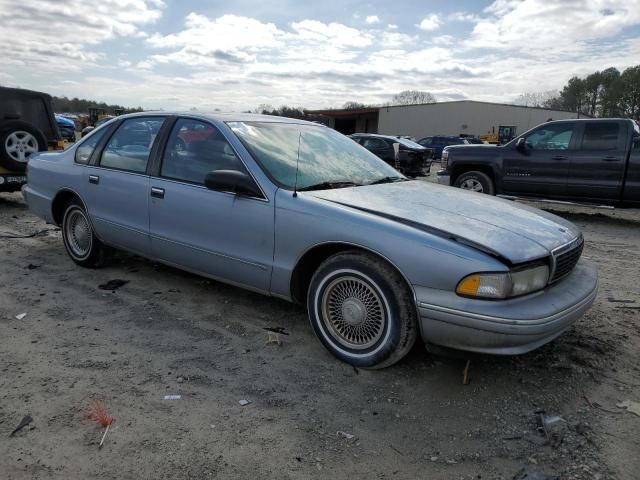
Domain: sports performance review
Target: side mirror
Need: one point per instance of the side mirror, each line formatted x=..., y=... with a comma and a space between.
x=521, y=144
x=232, y=181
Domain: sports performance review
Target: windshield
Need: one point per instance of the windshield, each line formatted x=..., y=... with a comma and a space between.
x=408, y=143
x=326, y=156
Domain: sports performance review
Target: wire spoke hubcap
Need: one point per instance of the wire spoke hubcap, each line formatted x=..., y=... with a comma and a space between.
x=78, y=233
x=353, y=312
x=20, y=145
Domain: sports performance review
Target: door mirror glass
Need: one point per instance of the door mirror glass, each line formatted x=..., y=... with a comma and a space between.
x=232, y=181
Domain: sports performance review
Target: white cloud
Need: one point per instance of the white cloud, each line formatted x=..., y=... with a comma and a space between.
x=371, y=19
x=551, y=27
x=338, y=34
x=58, y=35
x=430, y=23
x=463, y=17
x=443, y=40
x=392, y=26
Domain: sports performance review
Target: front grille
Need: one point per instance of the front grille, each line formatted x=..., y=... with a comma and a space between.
x=566, y=258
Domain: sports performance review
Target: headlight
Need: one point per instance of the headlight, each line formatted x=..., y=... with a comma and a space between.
x=504, y=285
x=444, y=159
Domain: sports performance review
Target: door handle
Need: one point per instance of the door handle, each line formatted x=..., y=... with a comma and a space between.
x=157, y=192
x=559, y=157
x=610, y=159
x=95, y=179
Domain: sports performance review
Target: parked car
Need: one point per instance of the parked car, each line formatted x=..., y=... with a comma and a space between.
x=412, y=159
x=27, y=126
x=91, y=128
x=585, y=160
x=439, y=142
x=298, y=211
x=67, y=128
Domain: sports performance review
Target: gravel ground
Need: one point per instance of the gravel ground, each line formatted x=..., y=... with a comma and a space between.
x=168, y=332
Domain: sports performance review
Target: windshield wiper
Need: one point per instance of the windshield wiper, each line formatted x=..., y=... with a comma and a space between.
x=388, y=180
x=328, y=185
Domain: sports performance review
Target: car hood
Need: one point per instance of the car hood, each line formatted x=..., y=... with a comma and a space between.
x=511, y=231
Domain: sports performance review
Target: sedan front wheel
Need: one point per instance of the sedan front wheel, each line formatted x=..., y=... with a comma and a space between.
x=362, y=310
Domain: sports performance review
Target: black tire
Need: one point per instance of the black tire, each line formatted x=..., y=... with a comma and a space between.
x=78, y=237
x=476, y=181
x=372, y=335
x=30, y=140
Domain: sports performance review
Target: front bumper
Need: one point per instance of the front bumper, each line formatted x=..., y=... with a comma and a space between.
x=506, y=327
x=444, y=178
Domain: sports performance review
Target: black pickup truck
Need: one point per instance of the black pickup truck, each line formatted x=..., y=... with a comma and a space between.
x=581, y=160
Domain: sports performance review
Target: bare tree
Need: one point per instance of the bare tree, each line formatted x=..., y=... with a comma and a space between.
x=412, y=97
x=536, y=99
x=353, y=105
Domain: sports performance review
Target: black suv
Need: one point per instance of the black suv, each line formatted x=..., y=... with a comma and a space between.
x=411, y=159
x=27, y=126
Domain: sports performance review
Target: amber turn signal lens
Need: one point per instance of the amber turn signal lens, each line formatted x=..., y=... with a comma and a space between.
x=469, y=286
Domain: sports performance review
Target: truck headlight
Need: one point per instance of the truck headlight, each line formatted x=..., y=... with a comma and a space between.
x=444, y=159
x=504, y=284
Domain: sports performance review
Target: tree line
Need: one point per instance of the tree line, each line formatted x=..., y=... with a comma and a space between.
x=606, y=93
x=406, y=97
x=81, y=105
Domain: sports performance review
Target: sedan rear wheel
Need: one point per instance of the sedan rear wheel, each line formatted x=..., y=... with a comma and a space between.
x=81, y=244
x=362, y=310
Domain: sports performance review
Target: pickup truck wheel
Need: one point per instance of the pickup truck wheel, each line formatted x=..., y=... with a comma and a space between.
x=81, y=244
x=362, y=310
x=476, y=182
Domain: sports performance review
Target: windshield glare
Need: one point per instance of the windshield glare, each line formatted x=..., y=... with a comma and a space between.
x=325, y=155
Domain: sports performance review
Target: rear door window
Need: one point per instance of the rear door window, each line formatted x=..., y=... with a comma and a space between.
x=600, y=136
x=194, y=149
x=86, y=148
x=130, y=146
x=374, y=144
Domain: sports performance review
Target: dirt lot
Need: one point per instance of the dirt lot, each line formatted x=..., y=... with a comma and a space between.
x=167, y=332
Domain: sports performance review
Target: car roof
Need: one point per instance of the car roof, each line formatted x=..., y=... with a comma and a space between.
x=222, y=117
x=375, y=135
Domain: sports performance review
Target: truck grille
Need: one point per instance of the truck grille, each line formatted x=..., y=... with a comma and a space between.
x=566, y=258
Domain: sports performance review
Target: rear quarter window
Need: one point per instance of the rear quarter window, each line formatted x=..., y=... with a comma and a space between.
x=86, y=148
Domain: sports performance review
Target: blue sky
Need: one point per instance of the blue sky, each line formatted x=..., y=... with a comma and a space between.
x=241, y=54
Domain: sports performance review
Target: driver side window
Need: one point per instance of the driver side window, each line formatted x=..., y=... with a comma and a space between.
x=194, y=149
x=551, y=137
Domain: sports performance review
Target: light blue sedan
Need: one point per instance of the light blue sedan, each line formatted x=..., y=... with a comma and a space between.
x=298, y=211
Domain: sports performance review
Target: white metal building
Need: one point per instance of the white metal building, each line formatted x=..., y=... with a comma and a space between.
x=466, y=117
x=462, y=117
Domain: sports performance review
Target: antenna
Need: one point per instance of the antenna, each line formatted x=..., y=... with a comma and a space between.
x=295, y=186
